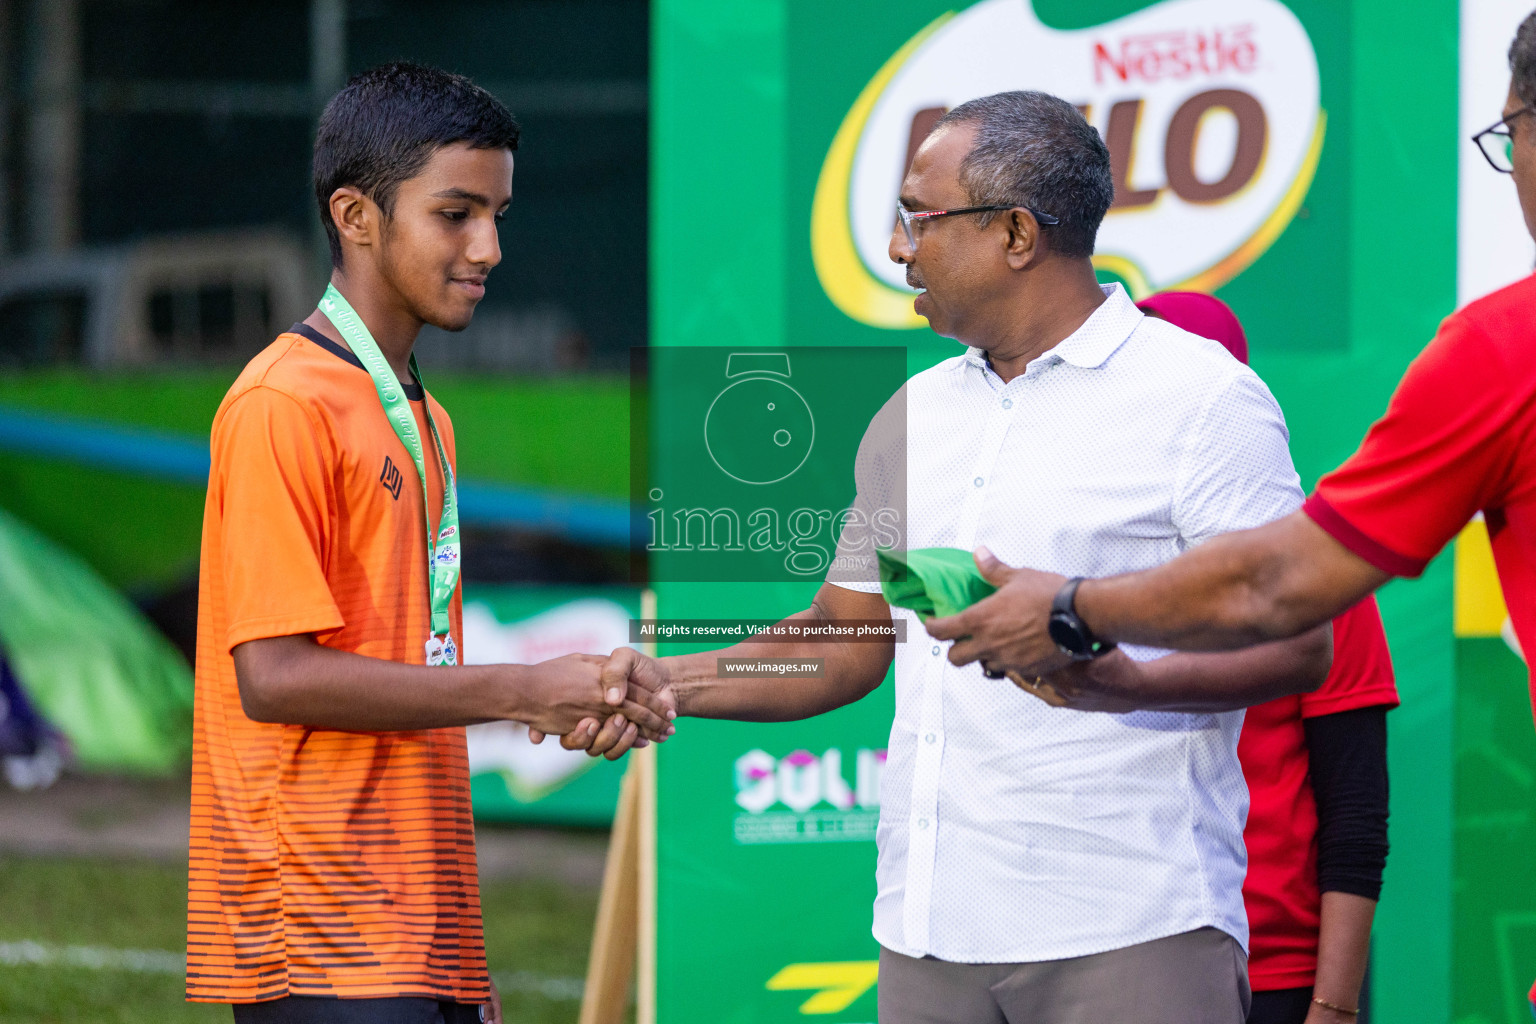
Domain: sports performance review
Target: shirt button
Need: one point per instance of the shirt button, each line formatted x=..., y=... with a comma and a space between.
x=935, y=650
x=931, y=738
x=922, y=823
x=1007, y=403
x=978, y=481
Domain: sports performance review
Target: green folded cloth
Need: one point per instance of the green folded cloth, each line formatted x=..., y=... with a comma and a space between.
x=934, y=582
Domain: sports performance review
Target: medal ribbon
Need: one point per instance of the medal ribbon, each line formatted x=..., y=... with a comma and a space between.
x=443, y=547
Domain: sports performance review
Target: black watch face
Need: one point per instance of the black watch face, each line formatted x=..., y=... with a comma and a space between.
x=1067, y=632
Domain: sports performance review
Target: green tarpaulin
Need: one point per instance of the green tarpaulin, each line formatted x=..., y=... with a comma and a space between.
x=92, y=665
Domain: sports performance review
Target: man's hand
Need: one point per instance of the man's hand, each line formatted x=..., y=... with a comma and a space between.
x=571, y=694
x=625, y=672
x=626, y=667
x=689, y=684
x=1107, y=683
x=1192, y=683
x=1006, y=631
x=1111, y=683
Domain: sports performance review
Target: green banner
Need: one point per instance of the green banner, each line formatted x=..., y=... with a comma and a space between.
x=511, y=780
x=1298, y=159
x=1495, y=799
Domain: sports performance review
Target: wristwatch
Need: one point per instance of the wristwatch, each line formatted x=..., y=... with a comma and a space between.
x=1071, y=634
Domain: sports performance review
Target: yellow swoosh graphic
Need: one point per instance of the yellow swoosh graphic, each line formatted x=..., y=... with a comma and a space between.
x=840, y=984
x=845, y=279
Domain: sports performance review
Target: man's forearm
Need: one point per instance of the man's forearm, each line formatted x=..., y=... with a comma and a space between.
x=1227, y=680
x=850, y=671
x=1242, y=588
x=1198, y=683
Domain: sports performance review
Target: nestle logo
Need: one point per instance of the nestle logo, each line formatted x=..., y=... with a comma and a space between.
x=1155, y=56
x=390, y=478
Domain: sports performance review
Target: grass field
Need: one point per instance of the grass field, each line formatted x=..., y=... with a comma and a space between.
x=537, y=936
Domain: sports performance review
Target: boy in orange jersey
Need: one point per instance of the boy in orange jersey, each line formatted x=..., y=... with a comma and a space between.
x=333, y=868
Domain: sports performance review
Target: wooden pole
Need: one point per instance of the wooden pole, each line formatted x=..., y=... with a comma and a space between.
x=613, y=940
x=645, y=768
x=625, y=933
x=645, y=985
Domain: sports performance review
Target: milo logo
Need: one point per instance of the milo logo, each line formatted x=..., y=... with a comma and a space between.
x=1209, y=109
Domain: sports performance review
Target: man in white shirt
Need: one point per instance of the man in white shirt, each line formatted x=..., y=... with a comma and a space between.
x=1040, y=864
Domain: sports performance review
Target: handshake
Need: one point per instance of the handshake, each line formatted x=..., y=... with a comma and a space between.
x=603, y=705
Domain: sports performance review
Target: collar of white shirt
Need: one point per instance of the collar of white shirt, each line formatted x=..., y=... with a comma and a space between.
x=1091, y=345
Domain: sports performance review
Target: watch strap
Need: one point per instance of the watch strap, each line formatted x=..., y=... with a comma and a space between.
x=1064, y=608
x=1066, y=597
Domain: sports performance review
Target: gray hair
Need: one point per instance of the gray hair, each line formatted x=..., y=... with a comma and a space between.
x=1036, y=150
x=1522, y=59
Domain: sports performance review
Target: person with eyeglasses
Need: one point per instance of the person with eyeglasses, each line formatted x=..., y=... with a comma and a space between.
x=1036, y=864
x=1458, y=438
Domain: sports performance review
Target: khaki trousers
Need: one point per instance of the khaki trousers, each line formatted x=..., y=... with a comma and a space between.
x=1198, y=977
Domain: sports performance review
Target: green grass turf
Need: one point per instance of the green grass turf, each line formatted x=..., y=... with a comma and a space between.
x=537, y=927
x=562, y=434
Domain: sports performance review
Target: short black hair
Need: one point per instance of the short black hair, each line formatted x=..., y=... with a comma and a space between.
x=1036, y=150
x=1522, y=60
x=383, y=127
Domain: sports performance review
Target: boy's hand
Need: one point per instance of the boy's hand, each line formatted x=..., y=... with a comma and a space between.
x=644, y=678
x=569, y=695
x=640, y=673
x=492, y=1009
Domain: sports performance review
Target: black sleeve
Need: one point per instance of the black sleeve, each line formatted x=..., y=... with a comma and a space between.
x=1348, y=756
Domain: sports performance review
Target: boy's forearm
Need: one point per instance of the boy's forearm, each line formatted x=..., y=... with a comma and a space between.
x=297, y=681
x=294, y=680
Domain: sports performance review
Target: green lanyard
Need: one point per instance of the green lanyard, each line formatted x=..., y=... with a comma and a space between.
x=443, y=550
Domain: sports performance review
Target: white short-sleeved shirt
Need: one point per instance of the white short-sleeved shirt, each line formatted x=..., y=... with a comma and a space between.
x=1011, y=831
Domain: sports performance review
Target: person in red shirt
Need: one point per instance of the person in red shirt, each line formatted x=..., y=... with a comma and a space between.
x=1316, y=767
x=1457, y=438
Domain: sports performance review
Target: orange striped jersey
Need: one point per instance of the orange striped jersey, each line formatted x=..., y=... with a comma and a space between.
x=323, y=863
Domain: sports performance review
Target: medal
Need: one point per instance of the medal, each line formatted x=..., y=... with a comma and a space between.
x=442, y=544
x=435, y=648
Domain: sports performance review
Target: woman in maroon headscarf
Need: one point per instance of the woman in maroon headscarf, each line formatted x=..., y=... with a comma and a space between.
x=1316, y=766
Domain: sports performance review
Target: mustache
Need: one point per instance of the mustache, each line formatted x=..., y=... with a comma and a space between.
x=914, y=282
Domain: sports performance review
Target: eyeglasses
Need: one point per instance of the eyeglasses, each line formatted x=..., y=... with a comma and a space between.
x=1497, y=141
x=907, y=217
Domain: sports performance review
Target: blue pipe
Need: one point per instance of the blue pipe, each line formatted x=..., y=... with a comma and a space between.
x=179, y=459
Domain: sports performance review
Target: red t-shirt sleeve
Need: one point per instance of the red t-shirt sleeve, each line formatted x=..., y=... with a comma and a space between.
x=270, y=471
x=1439, y=455
x=1361, y=676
